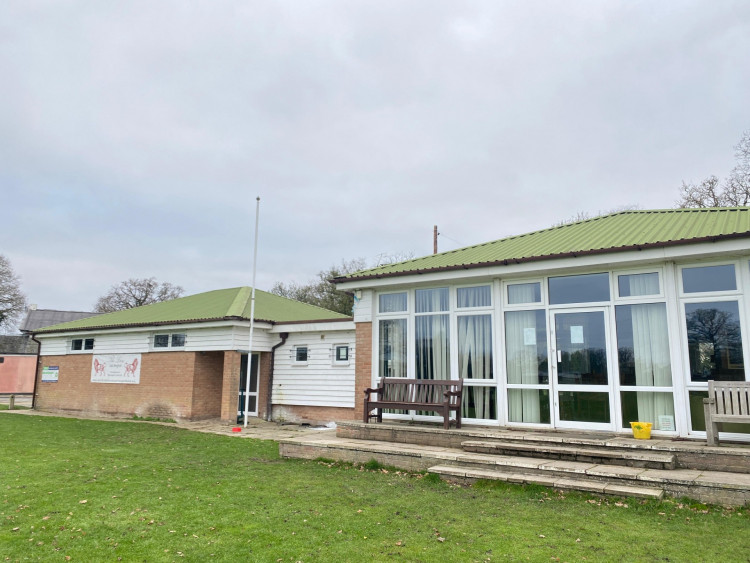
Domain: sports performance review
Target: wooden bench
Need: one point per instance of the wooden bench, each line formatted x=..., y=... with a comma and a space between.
x=437, y=395
x=728, y=401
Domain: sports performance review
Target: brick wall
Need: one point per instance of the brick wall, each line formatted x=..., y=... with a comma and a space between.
x=166, y=388
x=230, y=386
x=207, y=384
x=362, y=366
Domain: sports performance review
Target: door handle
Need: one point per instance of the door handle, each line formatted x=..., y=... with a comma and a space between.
x=559, y=356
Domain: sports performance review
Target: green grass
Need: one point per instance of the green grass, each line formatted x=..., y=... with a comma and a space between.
x=108, y=491
x=15, y=408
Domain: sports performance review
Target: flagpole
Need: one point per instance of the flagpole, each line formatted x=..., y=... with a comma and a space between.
x=252, y=317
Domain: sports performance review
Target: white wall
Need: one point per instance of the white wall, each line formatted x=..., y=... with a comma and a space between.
x=135, y=341
x=320, y=382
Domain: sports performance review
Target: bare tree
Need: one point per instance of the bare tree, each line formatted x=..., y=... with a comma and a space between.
x=321, y=292
x=732, y=192
x=135, y=293
x=12, y=300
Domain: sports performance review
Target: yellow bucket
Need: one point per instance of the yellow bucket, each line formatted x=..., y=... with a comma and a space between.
x=641, y=430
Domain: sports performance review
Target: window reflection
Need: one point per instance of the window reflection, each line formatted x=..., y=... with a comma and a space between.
x=715, y=341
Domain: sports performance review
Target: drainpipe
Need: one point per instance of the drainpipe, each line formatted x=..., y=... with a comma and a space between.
x=269, y=401
x=36, y=369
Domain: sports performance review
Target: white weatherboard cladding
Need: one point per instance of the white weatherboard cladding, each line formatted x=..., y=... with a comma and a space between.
x=138, y=341
x=363, y=306
x=319, y=382
x=56, y=346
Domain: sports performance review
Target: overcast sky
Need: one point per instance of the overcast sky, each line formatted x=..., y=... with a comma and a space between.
x=135, y=136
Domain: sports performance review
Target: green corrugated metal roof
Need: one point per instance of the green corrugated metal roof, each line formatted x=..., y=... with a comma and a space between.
x=626, y=230
x=216, y=305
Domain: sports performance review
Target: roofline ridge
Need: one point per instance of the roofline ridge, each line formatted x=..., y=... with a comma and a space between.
x=237, y=307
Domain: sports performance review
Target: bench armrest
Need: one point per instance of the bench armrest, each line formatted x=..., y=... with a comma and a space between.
x=709, y=401
x=377, y=390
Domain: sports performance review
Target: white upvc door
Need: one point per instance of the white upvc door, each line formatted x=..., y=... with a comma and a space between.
x=581, y=369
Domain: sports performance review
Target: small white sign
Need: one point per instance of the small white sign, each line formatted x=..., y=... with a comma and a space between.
x=576, y=334
x=666, y=422
x=529, y=336
x=116, y=368
x=50, y=373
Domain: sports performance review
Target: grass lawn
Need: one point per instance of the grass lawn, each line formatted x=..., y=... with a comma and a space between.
x=78, y=490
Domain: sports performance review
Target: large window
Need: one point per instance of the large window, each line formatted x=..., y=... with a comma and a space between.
x=432, y=334
x=392, y=348
x=714, y=338
x=644, y=363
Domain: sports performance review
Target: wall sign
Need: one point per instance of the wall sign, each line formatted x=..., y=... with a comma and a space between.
x=116, y=368
x=50, y=373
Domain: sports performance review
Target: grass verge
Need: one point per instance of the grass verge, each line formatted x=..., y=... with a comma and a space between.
x=83, y=490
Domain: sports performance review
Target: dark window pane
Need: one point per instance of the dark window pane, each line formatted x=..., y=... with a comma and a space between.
x=715, y=341
x=300, y=354
x=178, y=340
x=579, y=289
x=709, y=278
x=161, y=341
x=479, y=402
x=582, y=346
x=584, y=406
x=342, y=353
x=88, y=344
x=76, y=344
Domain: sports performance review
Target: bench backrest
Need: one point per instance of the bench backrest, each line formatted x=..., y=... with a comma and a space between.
x=732, y=397
x=431, y=391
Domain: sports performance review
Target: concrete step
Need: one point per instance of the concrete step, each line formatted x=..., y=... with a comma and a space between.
x=453, y=472
x=572, y=452
x=703, y=485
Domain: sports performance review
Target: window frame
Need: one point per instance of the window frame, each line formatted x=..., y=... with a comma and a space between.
x=295, y=354
x=84, y=349
x=334, y=354
x=683, y=295
x=170, y=338
x=542, y=289
x=616, y=299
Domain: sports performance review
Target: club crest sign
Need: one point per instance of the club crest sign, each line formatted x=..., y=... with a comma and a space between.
x=116, y=368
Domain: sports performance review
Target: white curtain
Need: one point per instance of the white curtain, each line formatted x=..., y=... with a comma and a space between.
x=474, y=296
x=432, y=347
x=651, y=358
x=522, y=365
x=524, y=293
x=392, y=343
x=475, y=361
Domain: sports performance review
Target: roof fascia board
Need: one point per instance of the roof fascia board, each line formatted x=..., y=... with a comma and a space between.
x=343, y=325
x=151, y=328
x=615, y=258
